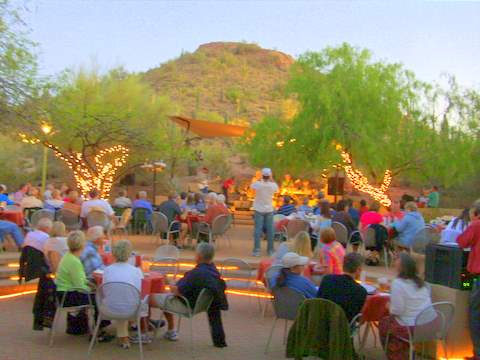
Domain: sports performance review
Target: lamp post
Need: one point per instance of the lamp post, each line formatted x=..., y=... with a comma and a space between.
x=46, y=129
x=154, y=166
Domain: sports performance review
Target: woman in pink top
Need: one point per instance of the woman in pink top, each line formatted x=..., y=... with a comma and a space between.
x=331, y=254
x=371, y=217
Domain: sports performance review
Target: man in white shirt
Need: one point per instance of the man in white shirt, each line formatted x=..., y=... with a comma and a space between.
x=95, y=203
x=40, y=235
x=263, y=206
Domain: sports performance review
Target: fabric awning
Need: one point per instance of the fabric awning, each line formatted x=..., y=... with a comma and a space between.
x=208, y=129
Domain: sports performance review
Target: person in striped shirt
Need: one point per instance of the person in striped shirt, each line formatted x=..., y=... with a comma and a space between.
x=288, y=207
x=330, y=254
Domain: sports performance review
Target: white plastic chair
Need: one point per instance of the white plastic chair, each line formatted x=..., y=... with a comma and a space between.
x=98, y=218
x=237, y=273
x=271, y=271
x=167, y=251
x=40, y=214
x=69, y=309
x=70, y=219
x=161, y=226
x=219, y=228
x=341, y=233
x=118, y=301
x=285, y=304
x=432, y=324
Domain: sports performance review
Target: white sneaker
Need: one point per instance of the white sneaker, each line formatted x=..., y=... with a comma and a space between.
x=171, y=335
x=146, y=339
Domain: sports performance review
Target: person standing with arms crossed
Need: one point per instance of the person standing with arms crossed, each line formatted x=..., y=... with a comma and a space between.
x=470, y=238
x=263, y=206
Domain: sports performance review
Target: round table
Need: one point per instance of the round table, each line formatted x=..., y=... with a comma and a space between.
x=13, y=216
x=152, y=283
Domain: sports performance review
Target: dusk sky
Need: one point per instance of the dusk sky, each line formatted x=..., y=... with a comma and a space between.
x=430, y=38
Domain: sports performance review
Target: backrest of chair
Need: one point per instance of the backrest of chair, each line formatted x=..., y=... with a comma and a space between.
x=97, y=218
x=420, y=241
x=270, y=273
x=28, y=212
x=159, y=222
x=433, y=236
x=286, y=302
x=125, y=217
x=68, y=217
x=165, y=266
x=118, y=210
x=204, y=300
x=295, y=226
x=40, y=214
x=167, y=251
x=220, y=224
x=370, y=240
x=236, y=268
x=433, y=322
x=118, y=300
x=341, y=232
x=140, y=214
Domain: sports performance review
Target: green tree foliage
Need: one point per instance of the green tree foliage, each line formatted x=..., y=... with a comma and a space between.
x=17, y=62
x=89, y=112
x=375, y=110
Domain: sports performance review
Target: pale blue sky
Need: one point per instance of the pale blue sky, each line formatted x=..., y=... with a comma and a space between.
x=429, y=37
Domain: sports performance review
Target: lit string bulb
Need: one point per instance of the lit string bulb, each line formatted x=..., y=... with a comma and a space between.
x=360, y=181
x=102, y=177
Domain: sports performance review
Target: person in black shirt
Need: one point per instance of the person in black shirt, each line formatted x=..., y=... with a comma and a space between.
x=343, y=289
x=204, y=276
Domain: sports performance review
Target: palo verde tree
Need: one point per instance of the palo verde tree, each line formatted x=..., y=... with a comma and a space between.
x=100, y=124
x=374, y=109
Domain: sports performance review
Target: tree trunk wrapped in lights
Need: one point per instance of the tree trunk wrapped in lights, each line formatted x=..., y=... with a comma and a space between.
x=361, y=183
x=99, y=174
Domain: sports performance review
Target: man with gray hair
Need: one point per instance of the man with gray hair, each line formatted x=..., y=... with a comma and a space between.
x=142, y=203
x=38, y=237
x=90, y=257
x=204, y=276
x=470, y=238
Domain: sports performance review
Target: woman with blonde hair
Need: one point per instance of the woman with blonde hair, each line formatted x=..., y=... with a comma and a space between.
x=300, y=245
x=56, y=245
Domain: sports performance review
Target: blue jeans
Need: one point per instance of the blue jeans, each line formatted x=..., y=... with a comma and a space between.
x=9, y=228
x=263, y=221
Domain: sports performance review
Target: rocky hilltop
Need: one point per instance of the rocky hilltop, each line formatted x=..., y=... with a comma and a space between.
x=224, y=81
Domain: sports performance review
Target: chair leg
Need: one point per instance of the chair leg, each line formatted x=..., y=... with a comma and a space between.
x=178, y=325
x=411, y=351
x=285, y=332
x=54, y=324
x=444, y=345
x=140, y=343
x=94, y=335
x=271, y=334
x=191, y=337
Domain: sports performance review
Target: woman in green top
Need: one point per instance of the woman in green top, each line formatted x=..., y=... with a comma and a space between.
x=72, y=282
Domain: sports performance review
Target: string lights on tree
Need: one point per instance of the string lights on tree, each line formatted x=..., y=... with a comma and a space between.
x=97, y=174
x=360, y=182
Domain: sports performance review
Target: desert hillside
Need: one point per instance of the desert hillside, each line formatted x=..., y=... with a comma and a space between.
x=225, y=81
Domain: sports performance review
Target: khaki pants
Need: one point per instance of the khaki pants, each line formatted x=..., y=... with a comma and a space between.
x=122, y=328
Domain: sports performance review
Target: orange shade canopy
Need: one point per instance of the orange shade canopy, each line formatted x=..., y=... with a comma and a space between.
x=208, y=129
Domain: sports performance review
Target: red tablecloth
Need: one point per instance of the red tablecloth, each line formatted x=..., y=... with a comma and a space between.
x=375, y=307
x=265, y=264
x=152, y=283
x=190, y=219
x=12, y=216
x=109, y=260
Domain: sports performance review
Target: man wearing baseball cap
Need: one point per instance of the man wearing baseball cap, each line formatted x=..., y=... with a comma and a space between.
x=263, y=206
x=290, y=276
